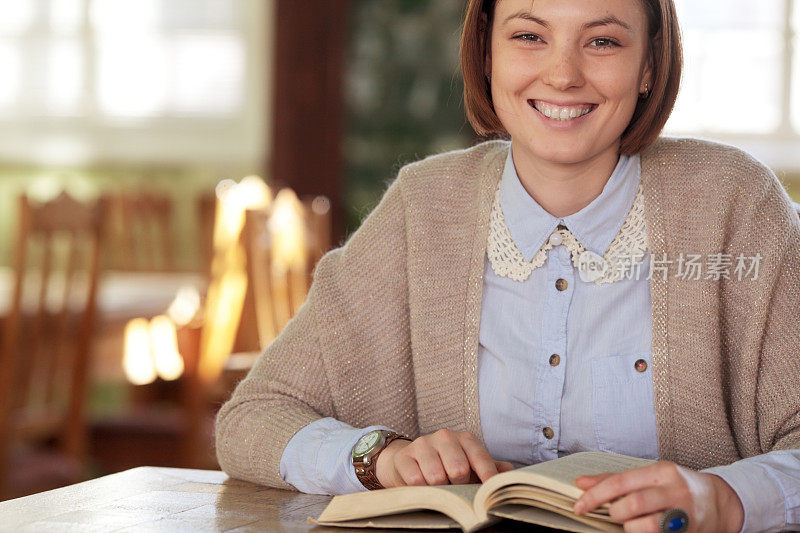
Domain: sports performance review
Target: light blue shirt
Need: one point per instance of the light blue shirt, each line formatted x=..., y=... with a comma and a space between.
x=594, y=398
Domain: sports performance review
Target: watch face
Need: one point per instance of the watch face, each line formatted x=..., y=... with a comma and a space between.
x=366, y=443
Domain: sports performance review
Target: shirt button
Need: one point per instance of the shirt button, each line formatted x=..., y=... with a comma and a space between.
x=561, y=284
x=640, y=365
x=555, y=359
x=548, y=432
x=555, y=239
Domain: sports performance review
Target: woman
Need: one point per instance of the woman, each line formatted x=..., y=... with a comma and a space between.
x=491, y=307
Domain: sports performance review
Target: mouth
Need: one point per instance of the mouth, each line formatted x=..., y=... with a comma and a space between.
x=562, y=113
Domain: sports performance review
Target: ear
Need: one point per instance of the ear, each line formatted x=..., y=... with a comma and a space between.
x=647, y=73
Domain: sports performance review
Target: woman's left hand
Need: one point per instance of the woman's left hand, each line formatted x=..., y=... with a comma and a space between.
x=640, y=496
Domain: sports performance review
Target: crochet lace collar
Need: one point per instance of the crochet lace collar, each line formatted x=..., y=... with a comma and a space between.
x=626, y=249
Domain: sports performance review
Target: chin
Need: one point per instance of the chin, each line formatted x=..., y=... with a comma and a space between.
x=563, y=154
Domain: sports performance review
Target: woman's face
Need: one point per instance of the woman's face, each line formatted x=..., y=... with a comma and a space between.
x=566, y=74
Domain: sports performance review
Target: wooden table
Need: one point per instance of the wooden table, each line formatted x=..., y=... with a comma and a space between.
x=172, y=500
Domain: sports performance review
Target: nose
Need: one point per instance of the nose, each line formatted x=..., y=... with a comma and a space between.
x=563, y=70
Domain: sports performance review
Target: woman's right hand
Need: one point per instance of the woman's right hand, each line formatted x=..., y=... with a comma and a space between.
x=441, y=458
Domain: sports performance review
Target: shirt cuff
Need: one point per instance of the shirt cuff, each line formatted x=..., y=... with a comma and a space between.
x=318, y=458
x=762, y=499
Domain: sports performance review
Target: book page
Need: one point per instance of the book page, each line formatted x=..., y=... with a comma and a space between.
x=557, y=475
x=532, y=515
x=530, y=495
x=454, y=501
x=415, y=520
x=465, y=492
x=567, y=468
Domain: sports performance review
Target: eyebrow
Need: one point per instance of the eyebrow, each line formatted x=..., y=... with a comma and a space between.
x=605, y=21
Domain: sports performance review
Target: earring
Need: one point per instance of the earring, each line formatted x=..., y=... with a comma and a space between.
x=646, y=92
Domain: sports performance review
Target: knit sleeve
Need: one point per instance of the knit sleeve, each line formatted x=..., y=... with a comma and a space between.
x=290, y=385
x=778, y=396
x=769, y=310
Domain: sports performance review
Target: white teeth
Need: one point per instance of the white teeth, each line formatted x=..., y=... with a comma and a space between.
x=562, y=113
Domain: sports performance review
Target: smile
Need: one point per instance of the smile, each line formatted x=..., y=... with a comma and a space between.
x=561, y=113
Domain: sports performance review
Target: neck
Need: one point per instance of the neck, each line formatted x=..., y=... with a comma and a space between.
x=564, y=188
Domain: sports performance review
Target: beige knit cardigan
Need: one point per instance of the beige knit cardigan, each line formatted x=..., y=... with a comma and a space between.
x=389, y=332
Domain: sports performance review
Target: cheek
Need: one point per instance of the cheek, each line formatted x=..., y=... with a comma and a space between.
x=512, y=69
x=618, y=86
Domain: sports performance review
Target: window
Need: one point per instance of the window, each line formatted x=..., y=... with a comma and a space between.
x=157, y=80
x=741, y=81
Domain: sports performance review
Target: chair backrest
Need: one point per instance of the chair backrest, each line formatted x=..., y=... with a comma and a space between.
x=45, y=350
x=276, y=296
x=139, y=232
x=206, y=214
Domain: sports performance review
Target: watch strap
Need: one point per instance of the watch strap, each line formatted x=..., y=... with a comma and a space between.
x=366, y=473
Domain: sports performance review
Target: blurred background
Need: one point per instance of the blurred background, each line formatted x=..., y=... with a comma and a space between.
x=154, y=154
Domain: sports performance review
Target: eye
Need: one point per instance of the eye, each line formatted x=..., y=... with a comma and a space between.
x=528, y=38
x=603, y=42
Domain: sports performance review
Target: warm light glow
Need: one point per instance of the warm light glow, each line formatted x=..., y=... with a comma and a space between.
x=226, y=293
x=164, y=344
x=233, y=200
x=137, y=360
x=222, y=187
x=287, y=229
x=226, y=299
x=321, y=205
x=184, y=307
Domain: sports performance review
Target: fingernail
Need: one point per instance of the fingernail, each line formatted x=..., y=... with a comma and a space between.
x=580, y=507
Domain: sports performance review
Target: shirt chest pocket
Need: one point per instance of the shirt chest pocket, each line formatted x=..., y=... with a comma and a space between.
x=623, y=409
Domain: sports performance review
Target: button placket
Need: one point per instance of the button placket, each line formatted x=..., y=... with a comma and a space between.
x=550, y=383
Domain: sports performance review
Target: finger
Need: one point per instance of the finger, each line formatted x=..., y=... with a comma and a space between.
x=431, y=465
x=587, y=482
x=623, y=483
x=643, y=523
x=455, y=462
x=503, y=466
x=479, y=459
x=640, y=503
x=408, y=469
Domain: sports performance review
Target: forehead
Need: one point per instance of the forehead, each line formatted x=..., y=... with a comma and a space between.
x=577, y=11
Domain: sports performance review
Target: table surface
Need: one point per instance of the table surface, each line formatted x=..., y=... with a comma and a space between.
x=120, y=295
x=173, y=500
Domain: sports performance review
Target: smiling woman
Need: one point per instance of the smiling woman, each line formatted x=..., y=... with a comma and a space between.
x=577, y=285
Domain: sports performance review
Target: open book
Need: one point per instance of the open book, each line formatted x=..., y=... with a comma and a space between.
x=542, y=494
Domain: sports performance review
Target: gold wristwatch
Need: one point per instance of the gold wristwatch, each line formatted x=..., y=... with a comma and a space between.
x=365, y=455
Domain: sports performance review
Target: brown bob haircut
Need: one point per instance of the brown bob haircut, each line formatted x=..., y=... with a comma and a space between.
x=650, y=114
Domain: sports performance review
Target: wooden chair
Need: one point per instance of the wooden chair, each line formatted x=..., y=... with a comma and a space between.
x=271, y=312
x=206, y=213
x=139, y=232
x=45, y=350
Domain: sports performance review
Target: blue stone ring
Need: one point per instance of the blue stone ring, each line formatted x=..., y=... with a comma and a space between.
x=674, y=520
